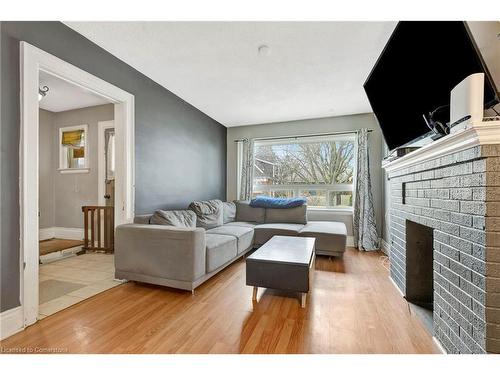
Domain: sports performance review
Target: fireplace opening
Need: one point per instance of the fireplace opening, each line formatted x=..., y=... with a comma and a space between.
x=419, y=264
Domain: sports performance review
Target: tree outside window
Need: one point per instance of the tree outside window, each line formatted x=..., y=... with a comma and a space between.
x=321, y=169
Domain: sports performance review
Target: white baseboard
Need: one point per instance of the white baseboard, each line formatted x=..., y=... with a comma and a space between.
x=61, y=232
x=45, y=234
x=11, y=322
x=385, y=247
x=68, y=233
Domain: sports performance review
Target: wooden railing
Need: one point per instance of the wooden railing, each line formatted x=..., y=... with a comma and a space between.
x=99, y=225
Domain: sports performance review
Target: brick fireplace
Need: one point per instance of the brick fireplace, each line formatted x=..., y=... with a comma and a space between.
x=445, y=236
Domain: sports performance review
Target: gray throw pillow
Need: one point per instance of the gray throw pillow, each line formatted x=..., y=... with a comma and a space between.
x=228, y=212
x=209, y=214
x=179, y=218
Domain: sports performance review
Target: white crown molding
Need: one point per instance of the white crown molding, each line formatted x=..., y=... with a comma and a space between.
x=11, y=322
x=481, y=133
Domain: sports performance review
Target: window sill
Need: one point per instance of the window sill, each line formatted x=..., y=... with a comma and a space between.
x=74, y=170
x=340, y=211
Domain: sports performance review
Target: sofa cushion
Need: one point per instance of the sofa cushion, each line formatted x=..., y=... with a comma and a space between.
x=220, y=250
x=330, y=236
x=296, y=215
x=209, y=213
x=142, y=219
x=243, y=234
x=244, y=212
x=264, y=232
x=228, y=212
x=249, y=224
x=175, y=218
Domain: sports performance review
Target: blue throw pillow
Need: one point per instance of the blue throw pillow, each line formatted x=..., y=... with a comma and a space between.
x=269, y=202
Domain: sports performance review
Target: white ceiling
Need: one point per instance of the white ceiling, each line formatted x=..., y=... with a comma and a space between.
x=313, y=69
x=64, y=96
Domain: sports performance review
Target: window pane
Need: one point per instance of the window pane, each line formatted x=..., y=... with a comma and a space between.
x=76, y=157
x=328, y=162
x=72, y=149
x=309, y=167
x=315, y=198
x=274, y=193
x=340, y=199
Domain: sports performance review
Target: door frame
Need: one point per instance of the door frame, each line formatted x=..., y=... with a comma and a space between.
x=101, y=159
x=33, y=60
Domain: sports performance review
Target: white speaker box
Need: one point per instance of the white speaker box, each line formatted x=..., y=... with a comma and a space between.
x=467, y=102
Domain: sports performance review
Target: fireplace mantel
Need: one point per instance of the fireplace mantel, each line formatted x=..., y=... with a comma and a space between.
x=481, y=133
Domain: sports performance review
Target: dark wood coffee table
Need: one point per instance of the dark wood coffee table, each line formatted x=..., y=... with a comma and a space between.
x=285, y=263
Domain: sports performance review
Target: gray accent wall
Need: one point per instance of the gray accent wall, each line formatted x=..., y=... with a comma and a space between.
x=180, y=153
x=315, y=126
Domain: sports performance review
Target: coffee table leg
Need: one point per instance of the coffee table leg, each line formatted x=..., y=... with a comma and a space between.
x=254, y=296
x=303, y=300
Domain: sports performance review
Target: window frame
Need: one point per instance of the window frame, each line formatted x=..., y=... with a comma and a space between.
x=63, y=155
x=296, y=188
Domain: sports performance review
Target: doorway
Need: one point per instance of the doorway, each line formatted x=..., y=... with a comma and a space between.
x=33, y=62
x=71, y=270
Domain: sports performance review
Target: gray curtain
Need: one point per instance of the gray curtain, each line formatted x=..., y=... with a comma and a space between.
x=247, y=161
x=365, y=228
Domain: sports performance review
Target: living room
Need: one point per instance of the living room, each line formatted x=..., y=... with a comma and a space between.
x=267, y=199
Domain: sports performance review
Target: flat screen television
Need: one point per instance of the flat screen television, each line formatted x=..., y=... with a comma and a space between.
x=419, y=66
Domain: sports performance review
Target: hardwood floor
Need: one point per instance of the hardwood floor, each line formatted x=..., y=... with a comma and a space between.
x=353, y=308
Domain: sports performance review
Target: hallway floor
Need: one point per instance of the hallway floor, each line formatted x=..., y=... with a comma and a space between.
x=57, y=244
x=68, y=281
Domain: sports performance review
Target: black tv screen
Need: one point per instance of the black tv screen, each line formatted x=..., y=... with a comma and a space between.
x=419, y=66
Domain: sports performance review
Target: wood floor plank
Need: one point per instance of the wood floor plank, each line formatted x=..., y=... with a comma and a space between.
x=352, y=308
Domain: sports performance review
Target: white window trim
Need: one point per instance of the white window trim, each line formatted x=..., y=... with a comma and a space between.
x=334, y=187
x=63, y=155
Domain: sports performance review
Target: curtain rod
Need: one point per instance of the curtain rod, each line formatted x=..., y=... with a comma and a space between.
x=302, y=136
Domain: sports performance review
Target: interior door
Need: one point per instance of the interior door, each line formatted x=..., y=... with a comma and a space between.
x=109, y=152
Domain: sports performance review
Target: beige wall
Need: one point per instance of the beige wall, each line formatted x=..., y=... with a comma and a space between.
x=46, y=170
x=313, y=126
x=69, y=191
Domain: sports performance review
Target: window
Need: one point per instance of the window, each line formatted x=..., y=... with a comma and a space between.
x=319, y=168
x=73, y=150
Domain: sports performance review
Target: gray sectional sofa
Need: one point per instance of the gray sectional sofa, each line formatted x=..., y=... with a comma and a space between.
x=182, y=249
